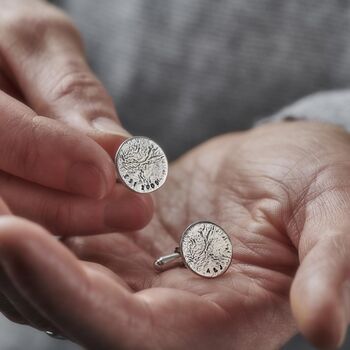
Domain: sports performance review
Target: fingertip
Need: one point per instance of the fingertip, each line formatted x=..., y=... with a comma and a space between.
x=129, y=211
x=108, y=141
x=88, y=180
x=319, y=314
x=106, y=131
x=95, y=179
x=109, y=125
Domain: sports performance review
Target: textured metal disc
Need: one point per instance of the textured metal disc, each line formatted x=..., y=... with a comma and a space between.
x=141, y=164
x=206, y=249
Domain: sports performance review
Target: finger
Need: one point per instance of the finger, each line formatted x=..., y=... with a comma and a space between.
x=55, y=79
x=87, y=306
x=19, y=309
x=66, y=214
x=7, y=85
x=7, y=291
x=8, y=310
x=6, y=307
x=320, y=293
x=44, y=151
x=4, y=209
x=114, y=253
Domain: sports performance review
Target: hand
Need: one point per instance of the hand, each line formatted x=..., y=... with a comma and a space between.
x=282, y=193
x=52, y=173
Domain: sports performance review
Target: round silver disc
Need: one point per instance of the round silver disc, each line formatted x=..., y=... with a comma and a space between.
x=206, y=249
x=141, y=164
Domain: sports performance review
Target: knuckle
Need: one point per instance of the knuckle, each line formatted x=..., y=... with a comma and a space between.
x=78, y=83
x=57, y=216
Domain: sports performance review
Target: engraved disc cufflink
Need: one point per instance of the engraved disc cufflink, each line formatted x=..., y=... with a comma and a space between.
x=141, y=164
x=205, y=249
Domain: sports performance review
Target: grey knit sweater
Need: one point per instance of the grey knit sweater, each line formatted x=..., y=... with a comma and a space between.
x=182, y=71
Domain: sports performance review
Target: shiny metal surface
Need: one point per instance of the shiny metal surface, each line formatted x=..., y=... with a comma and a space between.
x=206, y=249
x=141, y=164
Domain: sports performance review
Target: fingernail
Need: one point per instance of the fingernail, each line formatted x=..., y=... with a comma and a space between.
x=86, y=179
x=109, y=126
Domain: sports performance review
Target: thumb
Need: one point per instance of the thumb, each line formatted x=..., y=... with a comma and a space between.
x=320, y=293
x=56, y=80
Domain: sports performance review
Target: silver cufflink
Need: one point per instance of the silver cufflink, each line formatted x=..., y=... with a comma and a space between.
x=141, y=164
x=205, y=248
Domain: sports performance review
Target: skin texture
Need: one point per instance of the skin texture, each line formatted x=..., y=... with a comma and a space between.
x=58, y=129
x=280, y=191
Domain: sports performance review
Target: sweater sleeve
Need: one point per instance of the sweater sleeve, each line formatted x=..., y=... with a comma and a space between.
x=328, y=107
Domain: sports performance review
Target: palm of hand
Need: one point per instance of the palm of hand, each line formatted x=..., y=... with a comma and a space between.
x=249, y=189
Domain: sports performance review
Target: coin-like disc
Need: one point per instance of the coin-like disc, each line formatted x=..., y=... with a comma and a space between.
x=141, y=164
x=206, y=249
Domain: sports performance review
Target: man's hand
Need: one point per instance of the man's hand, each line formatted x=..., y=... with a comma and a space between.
x=282, y=192
x=52, y=173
